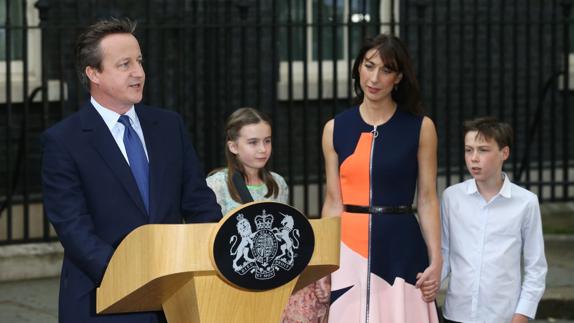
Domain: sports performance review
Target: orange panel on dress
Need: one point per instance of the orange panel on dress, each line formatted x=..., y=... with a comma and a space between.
x=355, y=182
x=355, y=232
x=354, y=173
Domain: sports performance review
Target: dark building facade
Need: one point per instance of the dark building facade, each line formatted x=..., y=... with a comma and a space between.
x=292, y=59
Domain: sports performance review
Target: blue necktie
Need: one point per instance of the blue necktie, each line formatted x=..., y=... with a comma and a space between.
x=137, y=158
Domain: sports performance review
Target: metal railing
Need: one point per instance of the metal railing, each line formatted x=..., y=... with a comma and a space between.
x=291, y=58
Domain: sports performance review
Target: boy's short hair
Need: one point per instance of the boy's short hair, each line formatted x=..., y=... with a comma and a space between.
x=491, y=128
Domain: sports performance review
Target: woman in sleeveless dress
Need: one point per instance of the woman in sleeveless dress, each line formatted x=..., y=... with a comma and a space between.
x=377, y=156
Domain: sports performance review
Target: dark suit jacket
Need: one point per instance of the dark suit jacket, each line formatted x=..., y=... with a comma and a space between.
x=92, y=199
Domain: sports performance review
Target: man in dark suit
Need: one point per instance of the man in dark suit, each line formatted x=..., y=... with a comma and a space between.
x=113, y=166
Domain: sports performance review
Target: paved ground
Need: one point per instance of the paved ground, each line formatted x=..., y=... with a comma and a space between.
x=29, y=301
x=36, y=300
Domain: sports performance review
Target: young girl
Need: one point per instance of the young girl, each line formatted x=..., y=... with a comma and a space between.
x=248, y=148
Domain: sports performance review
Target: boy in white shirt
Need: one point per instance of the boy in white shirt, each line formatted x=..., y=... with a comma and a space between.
x=492, y=242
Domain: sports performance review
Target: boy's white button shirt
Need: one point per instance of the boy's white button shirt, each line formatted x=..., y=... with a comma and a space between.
x=483, y=243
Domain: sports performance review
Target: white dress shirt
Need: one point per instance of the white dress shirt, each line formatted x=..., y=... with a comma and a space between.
x=117, y=129
x=483, y=244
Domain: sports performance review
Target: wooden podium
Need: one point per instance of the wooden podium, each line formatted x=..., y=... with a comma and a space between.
x=169, y=268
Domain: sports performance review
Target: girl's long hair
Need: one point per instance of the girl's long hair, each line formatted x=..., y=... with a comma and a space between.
x=236, y=121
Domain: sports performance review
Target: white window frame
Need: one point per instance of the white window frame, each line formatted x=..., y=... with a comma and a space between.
x=343, y=72
x=34, y=73
x=570, y=62
x=561, y=79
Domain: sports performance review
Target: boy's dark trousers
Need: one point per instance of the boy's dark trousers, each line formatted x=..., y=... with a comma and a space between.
x=449, y=321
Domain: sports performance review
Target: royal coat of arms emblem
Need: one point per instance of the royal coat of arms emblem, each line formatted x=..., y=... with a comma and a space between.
x=263, y=245
x=266, y=250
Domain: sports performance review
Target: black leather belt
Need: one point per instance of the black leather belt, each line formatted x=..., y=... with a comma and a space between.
x=400, y=209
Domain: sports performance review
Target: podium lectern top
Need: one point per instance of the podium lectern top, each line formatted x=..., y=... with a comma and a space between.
x=169, y=268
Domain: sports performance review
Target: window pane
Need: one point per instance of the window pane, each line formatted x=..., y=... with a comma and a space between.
x=329, y=11
x=365, y=19
x=16, y=34
x=291, y=12
x=331, y=39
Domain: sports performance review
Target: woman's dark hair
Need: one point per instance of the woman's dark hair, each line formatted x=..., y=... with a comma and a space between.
x=87, y=50
x=236, y=121
x=395, y=56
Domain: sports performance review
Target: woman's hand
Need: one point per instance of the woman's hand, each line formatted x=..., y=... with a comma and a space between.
x=428, y=210
x=429, y=282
